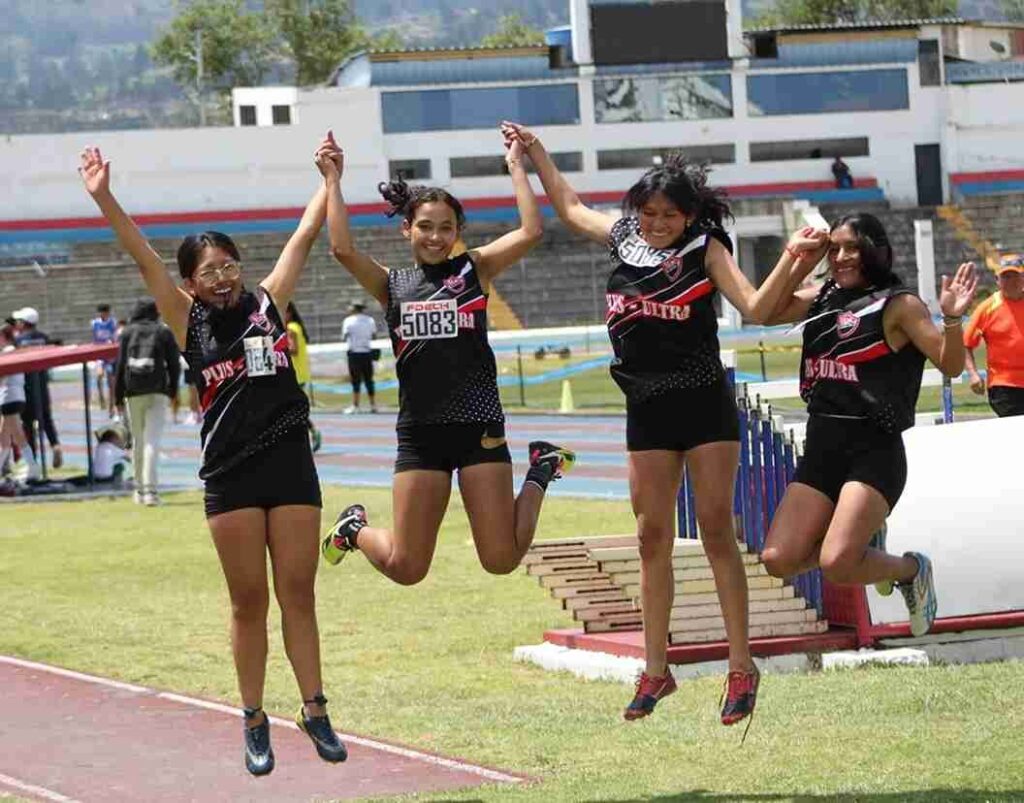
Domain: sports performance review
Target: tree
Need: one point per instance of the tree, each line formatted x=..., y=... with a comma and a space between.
x=234, y=47
x=824, y=12
x=512, y=31
x=318, y=34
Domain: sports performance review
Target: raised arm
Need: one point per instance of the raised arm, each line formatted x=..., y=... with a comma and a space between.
x=367, y=271
x=173, y=302
x=493, y=258
x=946, y=348
x=281, y=281
x=574, y=213
x=801, y=254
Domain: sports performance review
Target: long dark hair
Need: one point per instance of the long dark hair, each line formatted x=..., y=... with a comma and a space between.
x=191, y=249
x=875, y=249
x=293, y=313
x=685, y=184
x=405, y=200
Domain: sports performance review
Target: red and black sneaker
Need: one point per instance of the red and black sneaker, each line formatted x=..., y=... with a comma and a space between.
x=648, y=691
x=740, y=696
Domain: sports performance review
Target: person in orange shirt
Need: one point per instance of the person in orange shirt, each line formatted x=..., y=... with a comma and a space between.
x=999, y=321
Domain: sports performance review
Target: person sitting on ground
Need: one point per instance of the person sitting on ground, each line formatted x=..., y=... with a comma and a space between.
x=110, y=461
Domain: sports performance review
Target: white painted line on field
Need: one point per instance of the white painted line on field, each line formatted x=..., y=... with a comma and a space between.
x=31, y=788
x=68, y=673
x=384, y=747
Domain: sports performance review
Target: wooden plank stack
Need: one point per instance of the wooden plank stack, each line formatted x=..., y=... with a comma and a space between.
x=598, y=580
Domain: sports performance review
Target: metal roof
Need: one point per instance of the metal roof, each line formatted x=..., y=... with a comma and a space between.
x=859, y=25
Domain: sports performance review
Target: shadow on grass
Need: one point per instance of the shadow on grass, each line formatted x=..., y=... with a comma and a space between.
x=908, y=796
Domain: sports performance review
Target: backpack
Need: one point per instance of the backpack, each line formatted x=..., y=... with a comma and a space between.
x=145, y=371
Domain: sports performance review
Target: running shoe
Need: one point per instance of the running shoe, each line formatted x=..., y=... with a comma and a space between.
x=558, y=459
x=259, y=755
x=648, y=691
x=883, y=587
x=328, y=746
x=740, y=695
x=920, y=595
x=341, y=538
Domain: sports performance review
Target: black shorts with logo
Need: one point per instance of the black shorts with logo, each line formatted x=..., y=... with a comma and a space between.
x=842, y=450
x=447, y=447
x=679, y=420
x=281, y=474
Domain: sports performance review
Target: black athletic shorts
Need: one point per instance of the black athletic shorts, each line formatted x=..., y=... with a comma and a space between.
x=1006, y=401
x=842, y=450
x=281, y=474
x=360, y=370
x=446, y=447
x=12, y=408
x=682, y=419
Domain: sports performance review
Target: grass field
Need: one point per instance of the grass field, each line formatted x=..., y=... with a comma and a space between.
x=134, y=593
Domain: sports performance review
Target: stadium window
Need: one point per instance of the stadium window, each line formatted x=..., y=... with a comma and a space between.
x=808, y=149
x=247, y=115
x=928, y=62
x=475, y=166
x=827, y=92
x=281, y=115
x=461, y=109
x=633, y=158
x=409, y=169
x=679, y=97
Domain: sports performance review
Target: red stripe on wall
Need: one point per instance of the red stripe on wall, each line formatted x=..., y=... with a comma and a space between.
x=988, y=175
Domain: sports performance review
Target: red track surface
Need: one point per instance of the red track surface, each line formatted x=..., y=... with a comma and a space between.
x=77, y=738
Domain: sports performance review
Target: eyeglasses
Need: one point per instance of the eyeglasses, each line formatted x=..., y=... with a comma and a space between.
x=229, y=270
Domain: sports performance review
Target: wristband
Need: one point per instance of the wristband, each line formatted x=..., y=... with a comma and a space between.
x=791, y=252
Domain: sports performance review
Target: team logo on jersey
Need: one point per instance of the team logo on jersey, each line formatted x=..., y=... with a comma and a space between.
x=455, y=284
x=672, y=267
x=261, y=321
x=616, y=303
x=846, y=324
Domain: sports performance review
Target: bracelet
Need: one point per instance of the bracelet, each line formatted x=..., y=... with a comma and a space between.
x=951, y=323
x=791, y=252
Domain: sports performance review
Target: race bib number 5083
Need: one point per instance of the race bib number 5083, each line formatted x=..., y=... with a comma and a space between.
x=429, y=320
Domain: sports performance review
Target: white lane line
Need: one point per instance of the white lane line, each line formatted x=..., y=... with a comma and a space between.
x=31, y=788
x=427, y=758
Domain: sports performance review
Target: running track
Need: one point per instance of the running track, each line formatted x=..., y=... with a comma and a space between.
x=360, y=449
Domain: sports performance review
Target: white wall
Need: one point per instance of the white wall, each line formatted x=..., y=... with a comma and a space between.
x=985, y=126
x=264, y=98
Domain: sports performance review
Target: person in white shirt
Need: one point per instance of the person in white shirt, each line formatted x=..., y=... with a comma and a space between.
x=358, y=330
x=12, y=402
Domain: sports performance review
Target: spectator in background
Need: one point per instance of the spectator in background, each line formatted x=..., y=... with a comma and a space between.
x=358, y=330
x=104, y=330
x=999, y=321
x=146, y=375
x=37, y=387
x=12, y=403
x=298, y=342
x=841, y=171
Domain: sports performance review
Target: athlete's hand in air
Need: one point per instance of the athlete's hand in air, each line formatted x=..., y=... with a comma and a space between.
x=513, y=153
x=977, y=383
x=330, y=158
x=808, y=245
x=94, y=171
x=514, y=131
x=956, y=293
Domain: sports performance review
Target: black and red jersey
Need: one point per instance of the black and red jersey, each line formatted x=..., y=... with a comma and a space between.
x=437, y=320
x=847, y=367
x=243, y=372
x=661, y=316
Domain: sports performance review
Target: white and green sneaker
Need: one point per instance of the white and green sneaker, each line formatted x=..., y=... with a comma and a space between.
x=883, y=587
x=920, y=595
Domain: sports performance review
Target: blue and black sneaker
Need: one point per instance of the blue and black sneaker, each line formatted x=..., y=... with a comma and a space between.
x=259, y=755
x=319, y=730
